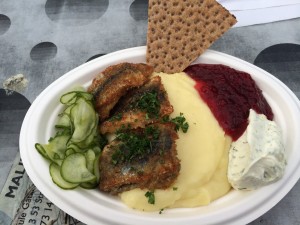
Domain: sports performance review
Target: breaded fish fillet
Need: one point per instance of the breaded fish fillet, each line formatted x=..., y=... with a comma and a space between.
x=110, y=85
x=126, y=115
x=122, y=170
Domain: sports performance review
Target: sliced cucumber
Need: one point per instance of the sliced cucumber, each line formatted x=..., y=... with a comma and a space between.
x=84, y=120
x=70, y=151
x=74, y=150
x=56, y=148
x=64, y=121
x=87, y=96
x=69, y=98
x=68, y=109
x=86, y=143
x=83, y=94
x=96, y=166
x=96, y=149
x=74, y=169
x=75, y=147
x=41, y=150
x=58, y=179
x=72, y=96
x=90, y=159
x=89, y=185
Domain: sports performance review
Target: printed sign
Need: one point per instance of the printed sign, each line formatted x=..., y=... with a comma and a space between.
x=22, y=203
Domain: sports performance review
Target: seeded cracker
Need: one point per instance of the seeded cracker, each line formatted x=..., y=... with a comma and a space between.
x=179, y=31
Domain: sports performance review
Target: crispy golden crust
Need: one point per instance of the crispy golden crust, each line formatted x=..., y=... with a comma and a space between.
x=134, y=118
x=158, y=171
x=109, y=86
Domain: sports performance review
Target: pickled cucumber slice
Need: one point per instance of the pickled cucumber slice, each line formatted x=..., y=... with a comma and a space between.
x=56, y=148
x=84, y=120
x=71, y=97
x=74, y=169
x=58, y=179
x=74, y=150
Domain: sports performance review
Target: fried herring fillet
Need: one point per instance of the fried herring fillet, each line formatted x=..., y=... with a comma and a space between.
x=110, y=85
x=126, y=116
x=158, y=169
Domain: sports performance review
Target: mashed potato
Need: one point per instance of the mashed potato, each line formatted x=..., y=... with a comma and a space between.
x=203, y=152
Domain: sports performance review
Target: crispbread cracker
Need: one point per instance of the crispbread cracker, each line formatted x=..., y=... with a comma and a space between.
x=181, y=30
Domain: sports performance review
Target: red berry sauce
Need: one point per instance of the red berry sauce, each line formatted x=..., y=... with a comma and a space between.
x=229, y=94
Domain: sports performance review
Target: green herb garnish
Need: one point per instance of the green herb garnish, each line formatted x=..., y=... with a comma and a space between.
x=134, y=145
x=152, y=131
x=151, y=197
x=179, y=121
x=148, y=103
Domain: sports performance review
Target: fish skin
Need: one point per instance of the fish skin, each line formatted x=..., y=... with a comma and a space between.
x=158, y=170
x=114, y=82
x=135, y=118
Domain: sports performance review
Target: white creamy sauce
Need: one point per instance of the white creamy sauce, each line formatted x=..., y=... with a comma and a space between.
x=257, y=158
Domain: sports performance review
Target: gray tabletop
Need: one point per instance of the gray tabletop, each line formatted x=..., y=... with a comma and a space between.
x=42, y=40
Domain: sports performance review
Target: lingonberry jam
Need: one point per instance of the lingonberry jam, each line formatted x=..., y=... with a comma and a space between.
x=229, y=94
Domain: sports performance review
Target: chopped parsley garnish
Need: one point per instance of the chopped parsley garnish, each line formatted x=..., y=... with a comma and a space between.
x=152, y=131
x=134, y=145
x=148, y=103
x=175, y=188
x=151, y=197
x=179, y=121
x=161, y=211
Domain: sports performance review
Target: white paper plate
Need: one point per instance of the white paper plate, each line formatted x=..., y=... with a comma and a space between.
x=94, y=207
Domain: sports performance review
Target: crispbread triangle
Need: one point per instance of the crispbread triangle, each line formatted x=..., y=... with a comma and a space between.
x=179, y=31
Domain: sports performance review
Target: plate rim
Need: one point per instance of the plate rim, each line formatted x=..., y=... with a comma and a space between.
x=138, y=50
